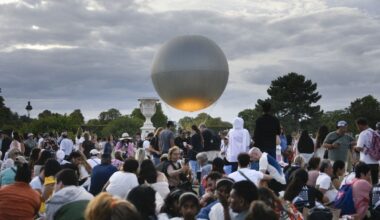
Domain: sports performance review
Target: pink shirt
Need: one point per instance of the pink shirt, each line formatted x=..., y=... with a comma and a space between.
x=360, y=191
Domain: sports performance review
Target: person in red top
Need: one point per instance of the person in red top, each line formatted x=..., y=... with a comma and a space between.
x=361, y=189
x=19, y=201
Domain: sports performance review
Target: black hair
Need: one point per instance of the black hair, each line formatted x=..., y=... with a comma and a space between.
x=23, y=173
x=74, y=154
x=218, y=165
x=170, y=124
x=246, y=190
x=361, y=168
x=45, y=155
x=68, y=177
x=295, y=186
x=243, y=159
x=196, y=129
x=16, y=136
x=362, y=121
x=52, y=167
x=189, y=196
x=259, y=210
x=338, y=164
x=321, y=135
x=305, y=143
x=130, y=165
x=169, y=205
x=267, y=196
x=144, y=199
x=314, y=163
x=266, y=106
x=148, y=171
x=214, y=176
x=106, y=159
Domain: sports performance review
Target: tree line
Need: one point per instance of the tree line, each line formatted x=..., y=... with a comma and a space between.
x=293, y=97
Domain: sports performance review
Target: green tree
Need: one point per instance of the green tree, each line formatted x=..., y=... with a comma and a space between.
x=330, y=118
x=249, y=116
x=159, y=119
x=122, y=124
x=109, y=115
x=292, y=98
x=6, y=115
x=367, y=107
x=77, y=117
x=204, y=118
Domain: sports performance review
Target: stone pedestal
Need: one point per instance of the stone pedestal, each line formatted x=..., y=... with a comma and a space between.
x=148, y=108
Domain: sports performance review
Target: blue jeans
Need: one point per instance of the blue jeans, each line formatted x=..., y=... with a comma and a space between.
x=194, y=167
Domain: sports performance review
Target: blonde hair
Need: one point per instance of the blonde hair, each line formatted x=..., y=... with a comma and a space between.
x=140, y=155
x=104, y=207
x=171, y=151
x=158, y=131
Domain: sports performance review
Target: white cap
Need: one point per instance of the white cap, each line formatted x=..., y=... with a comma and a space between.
x=341, y=124
x=94, y=152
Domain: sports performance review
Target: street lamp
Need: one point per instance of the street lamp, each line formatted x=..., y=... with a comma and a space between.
x=28, y=108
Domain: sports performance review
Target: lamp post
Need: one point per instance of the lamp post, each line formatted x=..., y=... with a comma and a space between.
x=28, y=108
x=148, y=108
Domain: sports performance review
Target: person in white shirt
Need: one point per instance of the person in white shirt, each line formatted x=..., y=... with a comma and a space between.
x=363, y=144
x=245, y=173
x=268, y=164
x=38, y=181
x=66, y=145
x=94, y=160
x=121, y=182
x=146, y=143
x=223, y=189
x=324, y=183
x=239, y=141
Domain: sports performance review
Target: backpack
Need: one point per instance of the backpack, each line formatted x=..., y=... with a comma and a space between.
x=319, y=214
x=374, y=150
x=344, y=200
x=375, y=199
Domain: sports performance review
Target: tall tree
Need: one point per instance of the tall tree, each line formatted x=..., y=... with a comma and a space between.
x=367, y=107
x=292, y=98
x=77, y=117
x=109, y=115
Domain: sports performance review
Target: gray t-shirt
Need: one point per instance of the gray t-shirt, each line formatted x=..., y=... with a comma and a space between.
x=164, y=142
x=344, y=141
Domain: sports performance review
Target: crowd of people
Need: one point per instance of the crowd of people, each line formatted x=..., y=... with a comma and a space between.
x=196, y=174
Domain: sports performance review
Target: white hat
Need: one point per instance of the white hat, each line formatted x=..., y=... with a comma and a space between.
x=124, y=136
x=94, y=152
x=30, y=134
x=341, y=124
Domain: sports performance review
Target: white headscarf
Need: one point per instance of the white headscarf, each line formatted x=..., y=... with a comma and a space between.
x=239, y=140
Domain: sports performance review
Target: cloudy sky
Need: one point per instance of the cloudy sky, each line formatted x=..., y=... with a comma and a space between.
x=96, y=54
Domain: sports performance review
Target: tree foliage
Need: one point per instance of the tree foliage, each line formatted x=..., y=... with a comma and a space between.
x=122, y=124
x=109, y=115
x=204, y=118
x=293, y=98
x=159, y=119
x=367, y=107
x=249, y=116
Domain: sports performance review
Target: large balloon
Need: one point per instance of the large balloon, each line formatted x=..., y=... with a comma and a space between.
x=190, y=72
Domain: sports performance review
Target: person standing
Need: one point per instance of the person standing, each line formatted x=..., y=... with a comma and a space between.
x=66, y=145
x=238, y=142
x=195, y=147
x=166, y=139
x=305, y=146
x=29, y=144
x=321, y=136
x=266, y=130
x=363, y=144
x=211, y=142
x=338, y=143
